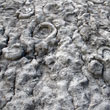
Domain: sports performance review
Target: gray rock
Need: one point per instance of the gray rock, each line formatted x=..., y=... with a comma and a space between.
x=103, y=106
x=14, y=52
x=54, y=55
x=96, y=68
x=25, y=12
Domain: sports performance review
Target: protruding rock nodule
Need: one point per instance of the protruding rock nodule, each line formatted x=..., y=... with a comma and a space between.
x=52, y=8
x=13, y=52
x=96, y=68
x=25, y=12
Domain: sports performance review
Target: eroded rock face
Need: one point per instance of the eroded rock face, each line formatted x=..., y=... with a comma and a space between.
x=54, y=55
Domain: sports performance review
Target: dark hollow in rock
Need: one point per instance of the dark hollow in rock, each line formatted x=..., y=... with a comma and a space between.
x=42, y=31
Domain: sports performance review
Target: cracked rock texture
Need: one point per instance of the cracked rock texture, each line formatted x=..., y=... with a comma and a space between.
x=54, y=54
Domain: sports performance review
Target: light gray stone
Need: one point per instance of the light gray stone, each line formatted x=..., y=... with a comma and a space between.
x=54, y=54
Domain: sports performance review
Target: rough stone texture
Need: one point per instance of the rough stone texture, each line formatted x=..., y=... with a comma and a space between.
x=54, y=54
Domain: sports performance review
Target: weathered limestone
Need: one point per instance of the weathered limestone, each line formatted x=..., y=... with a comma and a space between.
x=54, y=55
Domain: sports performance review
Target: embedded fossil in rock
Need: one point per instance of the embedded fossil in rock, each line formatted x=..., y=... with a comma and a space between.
x=45, y=30
x=70, y=17
x=52, y=8
x=13, y=52
x=104, y=52
x=96, y=68
x=25, y=12
x=47, y=37
x=42, y=30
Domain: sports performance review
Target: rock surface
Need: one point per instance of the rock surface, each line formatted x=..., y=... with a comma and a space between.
x=54, y=54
